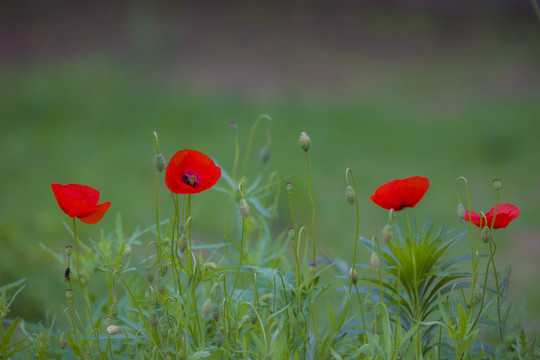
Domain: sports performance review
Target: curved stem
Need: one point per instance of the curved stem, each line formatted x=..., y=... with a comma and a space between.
x=312, y=206
x=349, y=171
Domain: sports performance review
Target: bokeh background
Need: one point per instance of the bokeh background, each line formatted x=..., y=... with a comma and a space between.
x=388, y=88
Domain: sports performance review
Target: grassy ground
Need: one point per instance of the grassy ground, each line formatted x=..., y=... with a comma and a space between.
x=388, y=110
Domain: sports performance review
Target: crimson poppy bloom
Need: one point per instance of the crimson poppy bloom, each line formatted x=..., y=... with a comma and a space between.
x=505, y=214
x=80, y=201
x=401, y=193
x=191, y=172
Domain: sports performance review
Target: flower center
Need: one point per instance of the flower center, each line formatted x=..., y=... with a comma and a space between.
x=190, y=179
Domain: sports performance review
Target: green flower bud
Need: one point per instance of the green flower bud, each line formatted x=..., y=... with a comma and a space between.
x=304, y=141
x=477, y=294
x=244, y=208
x=375, y=261
x=353, y=275
x=182, y=243
x=460, y=212
x=113, y=311
x=161, y=286
x=149, y=274
x=387, y=234
x=484, y=234
x=206, y=308
x=215, y=313
x=265, y=154
x=62, y=341
x=350, y=194
x=290, y=233
x=218, y=339
x=69, y=294
x=288, y=186
x=113, y=329
x=128, y=249
x=159, y=162
x=253, y=317
x=68, y=250
x=497, y=184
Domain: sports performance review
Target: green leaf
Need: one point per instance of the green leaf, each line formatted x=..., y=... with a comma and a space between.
x=13, y=284
x=6, y=337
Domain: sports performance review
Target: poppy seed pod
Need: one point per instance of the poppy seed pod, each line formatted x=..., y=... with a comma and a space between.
x=460, y=211
x=68, y=250
x=244, y=208
x=374, y=261
x=69, y=294
x=159, y=162
x=350, y=194
x=206, y=308
x=265, y=154
x=288, y=186
x=234, y=126
x=113, y=329
x=387, y=234
x=497, y=184
x=484, y=234
x=304, y=141
x=353, y=275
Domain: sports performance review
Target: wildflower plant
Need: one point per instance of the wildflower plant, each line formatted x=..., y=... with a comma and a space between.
x=264, y=291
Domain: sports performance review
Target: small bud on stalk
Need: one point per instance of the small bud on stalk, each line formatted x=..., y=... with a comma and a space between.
x=353, y=275
x=387, y=234
x=215, y=313
x=159, y=162
x=350, y=194
x=375, y=261
x=69, y=294
x=497, y=184
x=244, y=208
x=288, y=186
x=206, y=308
x=265, y=154
x=291, y=234
x=182, y=243
x=218, y=339
x=68, y=250
x=484, y=234
x=113, y=329
x=304, y=141
x=460, y=212
x=113, y=311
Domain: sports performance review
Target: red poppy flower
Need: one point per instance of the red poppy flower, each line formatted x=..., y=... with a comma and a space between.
x=80, y=201
x=191, y=172
x=505, y=214
x=401, y=193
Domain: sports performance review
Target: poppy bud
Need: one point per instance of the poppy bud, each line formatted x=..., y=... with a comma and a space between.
x=218, y=339
x=477, y=294
x=460, y=212
x=182, y=243
x=149, y=274
x=161, y=286
x=63, y=341
x=266, y=298
x=68, y=250
x=113, y=329
x=159, y=162
x=206, y=308
x=353, y=275
x=215, y=313
x=154, y=319
x=350, y=195
x=387, y=234
x=304, y=141
x=113, y=311
x=244, y=208
x=253, y=317
x=497, y=184
x=234, y=126
x=288, y=186
x=484, y=234
x=128, y=249
x=108, y=320
x=291, y=234
x=265, y=154
x=374, y=261
x=69, y=294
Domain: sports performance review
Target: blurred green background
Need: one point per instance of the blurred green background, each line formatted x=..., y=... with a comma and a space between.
x=390, y=90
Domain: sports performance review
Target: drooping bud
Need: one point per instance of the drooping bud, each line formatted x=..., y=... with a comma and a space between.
x=218, y=338
x=387, y=234
x=68, y=250
x=206, y=308
x=159, y=162
x=353, y=275
x=113, y=311
x=234, y=126
x=69, y=294
x=265, y=154
x=497, y=184
x=244, y=208
x=182, y=243
x=477, y=294
x=375, y=261
x=304, y=141
x=288, y=186
x=484, y=234
x=460, y=212
x=113, y=329
x=154, y=319
x=149, y=274
x=350, y=194
x=62, y=341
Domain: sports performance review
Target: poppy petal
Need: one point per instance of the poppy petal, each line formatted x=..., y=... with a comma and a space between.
x=401, y=193
x=76, y=200
x=97, y=215
x=191, y=172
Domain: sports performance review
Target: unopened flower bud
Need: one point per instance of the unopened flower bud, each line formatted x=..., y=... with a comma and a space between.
x=234, y=126
x=206, y=308
x=108, y=320
x=484, y=234
x=350, y=195
x=460, y=212
x=288, y=186
x=265, y=154
x=154, y=319
x=159, y=162
x=113, y=329
x=69, y=294
x=290, y=233
x=304, y=141
x=149, y=274
x=218, y=339
x=387, y=234
x=128, y=249
x=113, y=311
x=68, y=250
x=353, y=275
x=244, y=208
x=182, y=243
x=477, y=293
x=215, y=313
x=161, y=286
x=210, y=265
x=374, y=261
x=497, y=184
x=266, y=298
x=253, y=317
x=62, y=341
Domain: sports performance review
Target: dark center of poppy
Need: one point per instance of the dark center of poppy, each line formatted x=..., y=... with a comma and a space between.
x=190, y=179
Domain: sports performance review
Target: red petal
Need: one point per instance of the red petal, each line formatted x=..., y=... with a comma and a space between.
x=194, y=162
x=98, y=215
x=505, y=214
x=76, y=200
x=400, y=193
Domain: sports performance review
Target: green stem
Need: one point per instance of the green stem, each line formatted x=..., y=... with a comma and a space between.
x=312, y=206
x=349, y=171
x=241, y=255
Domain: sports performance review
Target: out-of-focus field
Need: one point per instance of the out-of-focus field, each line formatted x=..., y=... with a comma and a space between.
x=389, y=91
